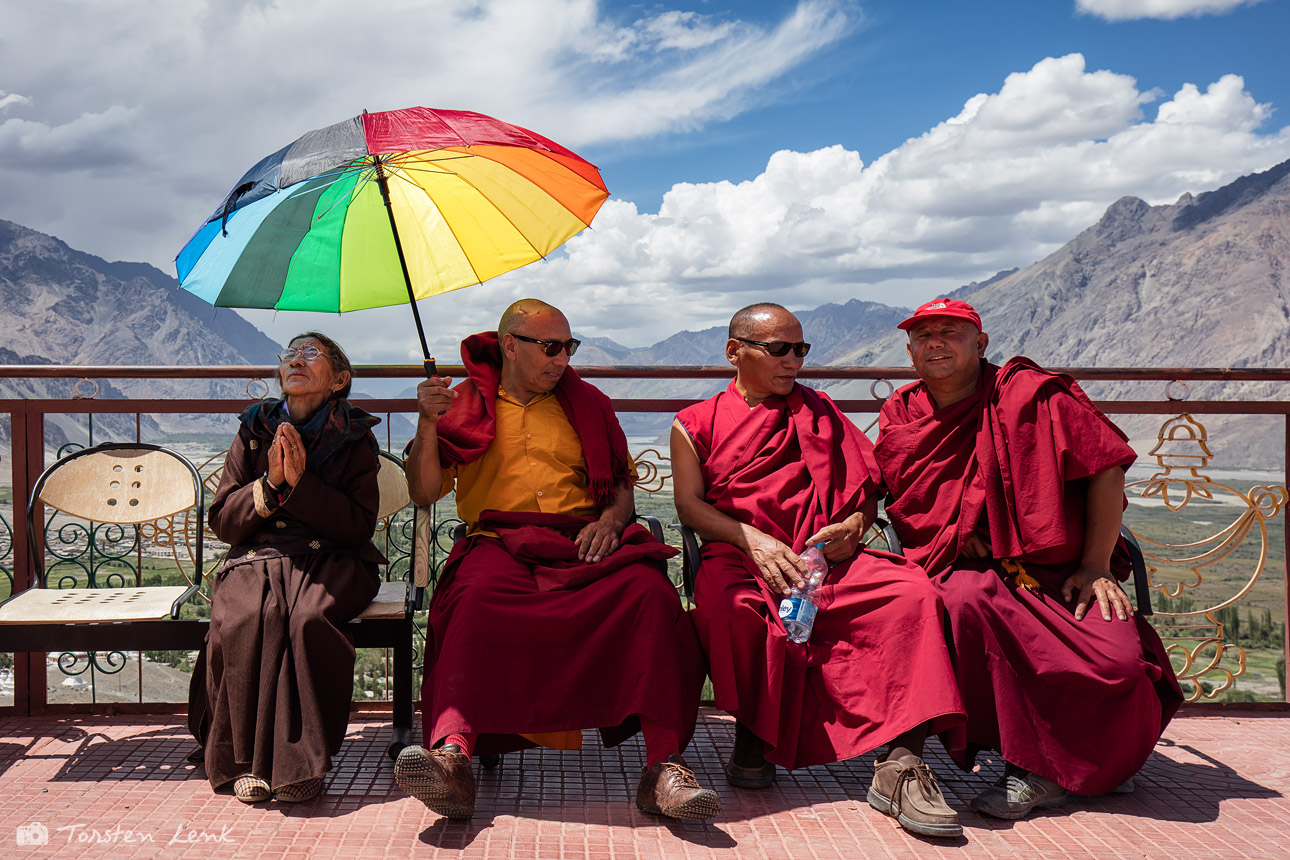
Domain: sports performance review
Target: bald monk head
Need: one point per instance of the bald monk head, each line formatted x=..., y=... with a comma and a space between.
x=766, y=348
x=946, y=345
x=536, y=346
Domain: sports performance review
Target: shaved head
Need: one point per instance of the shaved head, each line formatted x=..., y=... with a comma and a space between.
x=747, y=321
x=523, y=310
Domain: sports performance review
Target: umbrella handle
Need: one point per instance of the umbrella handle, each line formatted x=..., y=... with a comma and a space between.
x=431, y=370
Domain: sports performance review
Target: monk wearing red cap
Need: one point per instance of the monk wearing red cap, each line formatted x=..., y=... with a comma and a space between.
x=763, y=470
x=553, y=614
x=1008, y=488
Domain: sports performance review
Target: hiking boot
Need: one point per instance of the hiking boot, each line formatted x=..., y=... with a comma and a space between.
x=1018, y=792
x=441, y=778
x=747, y=767
x=669, y=788
x=907, y=790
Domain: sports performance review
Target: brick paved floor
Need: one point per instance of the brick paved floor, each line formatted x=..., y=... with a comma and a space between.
x=121, y=788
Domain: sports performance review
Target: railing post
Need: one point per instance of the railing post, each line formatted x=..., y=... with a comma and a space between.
x=27, y=449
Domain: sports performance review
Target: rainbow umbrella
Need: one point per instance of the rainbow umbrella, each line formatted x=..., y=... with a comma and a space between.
x=387, y=208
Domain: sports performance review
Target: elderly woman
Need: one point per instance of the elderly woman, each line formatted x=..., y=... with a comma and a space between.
x=297, y=505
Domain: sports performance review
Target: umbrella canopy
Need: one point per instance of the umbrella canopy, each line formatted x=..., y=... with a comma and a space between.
x=387, y=208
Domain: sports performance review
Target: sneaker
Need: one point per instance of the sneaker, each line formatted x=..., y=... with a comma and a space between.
x=441, y=778
x=1018, y=792
x=669, y=788
x=299, y=792
x=906, y=789
x=249, y=788
x=747, y=767
x=1126, y=787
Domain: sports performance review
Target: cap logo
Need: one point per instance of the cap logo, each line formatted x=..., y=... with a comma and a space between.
x=937, y=305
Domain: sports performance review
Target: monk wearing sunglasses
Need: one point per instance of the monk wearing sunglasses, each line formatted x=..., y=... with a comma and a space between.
x=554, y=613
x=761, y=471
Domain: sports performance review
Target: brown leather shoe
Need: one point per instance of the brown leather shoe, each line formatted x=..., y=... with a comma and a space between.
x=906, y=790
x=669, y=788
x=442, y=779
x=747, y=767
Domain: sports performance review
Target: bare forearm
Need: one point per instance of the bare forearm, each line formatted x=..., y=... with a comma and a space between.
x=1104, y=513
x=620, y=512
x=425, y=473
x=711, y=524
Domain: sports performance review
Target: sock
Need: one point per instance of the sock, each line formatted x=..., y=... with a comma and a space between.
x=465, y=740
x=661, y=743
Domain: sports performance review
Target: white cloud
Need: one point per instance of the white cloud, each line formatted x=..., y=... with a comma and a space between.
x=7, y=99
x=1126, y=10
x=178, y=99
x=1013, y=176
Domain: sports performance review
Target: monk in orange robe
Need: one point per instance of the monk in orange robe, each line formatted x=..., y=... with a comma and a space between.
x=1007, y=485
x=554, y=614
x=761, y=471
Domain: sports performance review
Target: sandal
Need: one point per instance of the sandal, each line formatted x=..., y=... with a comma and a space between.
x=251, y=789
x=298, y=792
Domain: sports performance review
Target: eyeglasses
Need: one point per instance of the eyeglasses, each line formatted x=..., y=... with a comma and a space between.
x=780, y=348
x=552, y=347
x=309, y=353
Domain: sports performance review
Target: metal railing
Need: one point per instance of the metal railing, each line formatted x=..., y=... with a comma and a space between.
x=1246, y=555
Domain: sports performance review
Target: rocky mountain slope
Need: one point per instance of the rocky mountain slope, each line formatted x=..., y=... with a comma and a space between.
x=62, y=306
x=1201, y=282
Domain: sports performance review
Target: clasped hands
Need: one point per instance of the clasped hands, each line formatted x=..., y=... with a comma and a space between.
x=286, y=456
x=783, y=569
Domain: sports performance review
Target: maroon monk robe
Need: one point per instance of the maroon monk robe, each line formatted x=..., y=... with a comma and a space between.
x=1079, y=702
x=876, y=664
x=515, y=646
x=519, y=644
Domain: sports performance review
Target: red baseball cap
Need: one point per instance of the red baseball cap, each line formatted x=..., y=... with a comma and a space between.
x=944, y=308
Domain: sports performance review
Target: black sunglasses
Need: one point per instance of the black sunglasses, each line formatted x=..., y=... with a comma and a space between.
x=552, y=347
x=780, y=348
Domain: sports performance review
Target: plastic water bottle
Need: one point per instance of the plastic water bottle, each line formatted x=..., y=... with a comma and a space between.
x=798, y=609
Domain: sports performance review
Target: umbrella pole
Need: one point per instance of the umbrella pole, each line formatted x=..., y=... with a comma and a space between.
x=430, y=368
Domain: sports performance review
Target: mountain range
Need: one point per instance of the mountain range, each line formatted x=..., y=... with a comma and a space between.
x=1201, y=282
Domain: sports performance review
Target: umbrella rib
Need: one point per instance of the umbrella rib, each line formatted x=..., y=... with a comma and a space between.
x=352, y=192
x=469, y=262
x=499, y=211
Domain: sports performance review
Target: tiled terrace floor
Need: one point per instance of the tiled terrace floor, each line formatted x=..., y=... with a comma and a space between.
x=109, y=787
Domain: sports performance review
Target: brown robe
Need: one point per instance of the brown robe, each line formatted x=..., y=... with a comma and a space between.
x=271, y=693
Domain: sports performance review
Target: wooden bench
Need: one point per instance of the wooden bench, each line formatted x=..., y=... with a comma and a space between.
x=150, y=488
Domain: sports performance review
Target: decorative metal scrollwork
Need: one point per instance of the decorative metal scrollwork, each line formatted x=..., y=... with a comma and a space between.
x=647, y=473
x=250, y=383
x=1206, y=664
x=6, y=553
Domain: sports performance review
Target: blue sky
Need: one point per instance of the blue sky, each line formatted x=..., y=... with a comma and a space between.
x=909, y=64
x=803, y=152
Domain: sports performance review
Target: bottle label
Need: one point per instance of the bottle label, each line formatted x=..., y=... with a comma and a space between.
x=790, y=608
